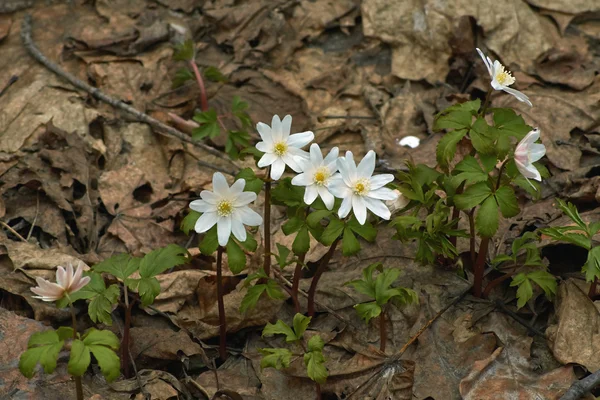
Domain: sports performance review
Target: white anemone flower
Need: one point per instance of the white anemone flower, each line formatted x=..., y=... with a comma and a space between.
x=67, y=282
x=528, y=152
x=280, y=147
x=501, y=78
x=399, y=203
x=317, y=174
x=228, y=208
x=360, y=190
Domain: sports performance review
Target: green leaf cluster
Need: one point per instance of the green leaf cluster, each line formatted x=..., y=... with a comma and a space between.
x=544, y=279
x=236, y=257
x=269, y=287
x=380, y=289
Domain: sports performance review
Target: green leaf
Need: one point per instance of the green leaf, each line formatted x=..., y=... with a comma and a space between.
x=468, y=106
x=562, y=234
x=367, y=311
x=279, y=328
x=236, y=258
x=64, y=332
x=499, y=259
x=486, y=220
x=253, y=183
x=184, y=51
x=350, y=244
x=106, y=338
x=453, y=120
x=102, y=299
x=275, y=358
x=158, y=261
x=383, y=283
x=591, y=269
x=287, y=194
x=571, y=211
x=446, y=148
x=314, y=219
x=120, y=266
x=509, y=123
x=250, y=243
x=524, y=291
x=301, y=243
x=147, y=288
x=283, y=255
x=544, y=280
x=316, y=343
x=251, y=298
x=214, y=75
x=481, y=138
x=43, y=348
x=332, y=231
x=470, y=171
x=509, y=206
x=181, y=76
x=210, y=242
x=473, y=196
x=273, y=290
x=189, y=222
x=300, y=324
x=366, y=231
x=292, y=225
x=80, y=358
x=209, y=125
x=315, y=366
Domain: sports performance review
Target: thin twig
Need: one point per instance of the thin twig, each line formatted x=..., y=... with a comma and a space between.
x=37, y=211
x=7, y=226
x=96, y=93
x=581, y=387
x=520, y=320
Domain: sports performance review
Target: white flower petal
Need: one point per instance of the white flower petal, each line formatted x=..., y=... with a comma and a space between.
x=80, y=283
x=244, y=199
x=367, y=165
x=209, y=197
x=205, y=222
x=237, y=188
x=223, y=230
x=267, y=159
x=339, y=188
x=264, y=147
x=302, y=179
x=202, y=206
x=69, y=275
x=326, y=196
x=332, y=156
x=378, y=208
x=528, y=171
x=316, y=157
x=286, y=127
x=310, y=194
x=276, y=129
x=383, y=194
x=248, y=216
x=378, y=181
x=519, y=95
x=220, y=186
x=300, y=139
x=488, y=66
x=289, y=160
x=76, y=277
x=342, y=164
x=238, y=230
x=536, y=152
x=360, y=209
x=345, y=207
x=277, y=169
x=61, y=277
x=265, y=134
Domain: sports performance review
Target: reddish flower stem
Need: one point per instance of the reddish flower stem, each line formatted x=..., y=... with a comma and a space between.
x=496, y=282
x=267, y=224
x=78, y=384
x=200, y=81
x=221, y=304
x=478, y=269
x=296, y=281
x=593, y=289
x=318, y=273
x=125, y=362
x=382, y=331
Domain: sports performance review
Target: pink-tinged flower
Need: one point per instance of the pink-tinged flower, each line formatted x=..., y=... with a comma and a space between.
x=501, y=78
x=360, y=190
x=528, y=152
x=280, y=147
x=67, y=282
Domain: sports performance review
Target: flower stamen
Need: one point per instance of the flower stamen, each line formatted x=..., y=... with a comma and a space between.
x=504, y=77
x=320, y=177
x=361, y=187
x=280, y=148
x=224, y=208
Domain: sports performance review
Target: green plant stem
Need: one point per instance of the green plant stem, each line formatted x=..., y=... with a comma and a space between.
x=125, y=363
x=318, y=273
x=296, y=281
x=78, y=384
x=486, y=103
x=478, y=267
x=221, y=304
x=200, y=81
x=382, y=331
x=267, y=224
x=593, y=289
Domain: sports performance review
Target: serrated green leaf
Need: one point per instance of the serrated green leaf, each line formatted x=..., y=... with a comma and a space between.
x=366, y=231
x=273, y=290
x=473, y=196
x=287, y=194
x=315, y=366
x=509, y=123
x=470, y=171
x=446, y=148
x=509, y=206
x=210, y=242
x=158, y=261
x=316, y=343
x=102, y=299
x=368, y=311
x=424, y=175
x=42, y=348
x=209, y=130
x=279, y=328
x=184, y=51
x=524, y=290
x=455, y=119
x=544, y=280
x=275, y=358
x=283, y=255
x=236, y=258
x=253, y=183
x=591, y=269
x=107, y=360
x=189, y=222
x=332, y=231
x=147, y=288
x=560, y=233
x=292, y=225
x=300, y=323
x=301, y=243
x=80, y=358
x=472, y=107
x=481, y=138
x=181, y=76
x=499, y=259
x=214, y=75
x=251, y=298
x=64, y=332
x=314, y=219
x=350, y=244
x=486, y=221
x=571, y=211
x=120, y=266
x=383, y=284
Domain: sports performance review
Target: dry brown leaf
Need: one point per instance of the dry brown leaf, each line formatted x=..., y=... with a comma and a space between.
x=162, y=344
x=576, y=334
x=566, y=6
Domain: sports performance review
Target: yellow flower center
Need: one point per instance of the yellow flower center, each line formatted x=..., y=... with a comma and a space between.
x=361, y=187
x=224, y=208
x=280, y=148
x=504, y=77
x=321, y=176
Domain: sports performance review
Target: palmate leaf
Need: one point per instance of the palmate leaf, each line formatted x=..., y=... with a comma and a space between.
x=42, y=348
x=279, y=328
x=315, y=361
x=253, y=295
x=473, y=196
x=367, y=311
x=158, y=261
x=470, y=171
x=275, y=358
x=524, y=289
x=102, y=298
x=446, y=148
x=591, y=269
x=120, y=266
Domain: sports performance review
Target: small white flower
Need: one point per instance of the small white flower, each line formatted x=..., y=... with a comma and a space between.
x=360, y=190
x=501, y=78
x=398, y=204
x=67, y=282
x=228, y=208
x=280, y=147
x=410, y=141
x=528, y=152
x=317, y=174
